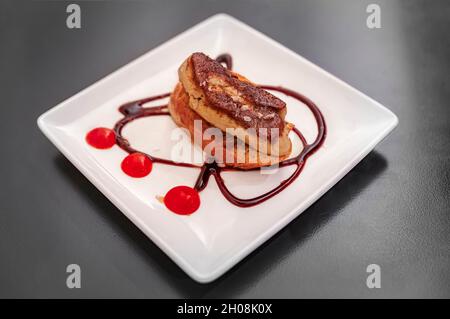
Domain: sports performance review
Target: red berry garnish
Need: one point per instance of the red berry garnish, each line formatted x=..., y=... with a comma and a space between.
x=137, y=165
x=182, y=200
x=101, y=138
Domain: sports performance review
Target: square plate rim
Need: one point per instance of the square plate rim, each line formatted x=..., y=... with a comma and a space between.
x=199, y=276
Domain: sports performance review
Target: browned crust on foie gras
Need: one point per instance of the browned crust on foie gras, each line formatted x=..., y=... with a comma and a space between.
x=228, y=100
x=241, y=155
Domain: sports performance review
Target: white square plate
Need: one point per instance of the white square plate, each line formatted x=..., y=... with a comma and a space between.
x=209, y=242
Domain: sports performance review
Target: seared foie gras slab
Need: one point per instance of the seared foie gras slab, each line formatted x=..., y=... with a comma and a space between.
x=229, y=101
x=239, y=156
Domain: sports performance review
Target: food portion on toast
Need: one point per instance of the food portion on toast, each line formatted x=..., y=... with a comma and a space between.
x=237, y=124
x=249, y=117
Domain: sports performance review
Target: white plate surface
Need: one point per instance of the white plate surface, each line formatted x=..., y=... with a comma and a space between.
x=209, y=242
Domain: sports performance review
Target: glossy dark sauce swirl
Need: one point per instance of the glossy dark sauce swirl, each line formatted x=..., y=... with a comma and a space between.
x=135, y=109
x=225, y=59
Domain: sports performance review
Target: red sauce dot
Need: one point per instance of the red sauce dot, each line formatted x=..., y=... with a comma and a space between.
x=137, y=165
x=182, y=200
x=101, y=138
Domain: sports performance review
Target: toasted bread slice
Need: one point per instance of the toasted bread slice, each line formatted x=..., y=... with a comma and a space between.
x=239, y=156
x=230, y=101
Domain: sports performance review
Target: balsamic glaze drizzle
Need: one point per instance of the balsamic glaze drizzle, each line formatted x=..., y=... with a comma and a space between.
x=135, y=109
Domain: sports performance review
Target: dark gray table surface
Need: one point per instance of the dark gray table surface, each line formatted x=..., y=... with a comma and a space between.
x=392, y=209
